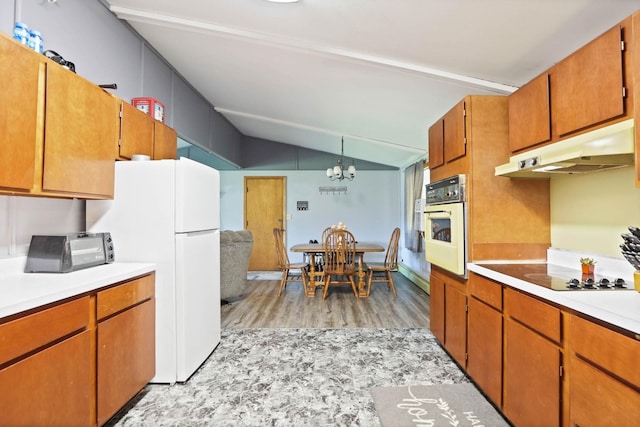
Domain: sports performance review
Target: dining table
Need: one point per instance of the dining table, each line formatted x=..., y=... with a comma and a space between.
x=313, y=249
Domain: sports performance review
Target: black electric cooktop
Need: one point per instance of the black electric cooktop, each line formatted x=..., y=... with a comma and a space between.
x=559, y=278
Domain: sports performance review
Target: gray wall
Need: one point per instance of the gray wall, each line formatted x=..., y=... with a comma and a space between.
x=106, y=50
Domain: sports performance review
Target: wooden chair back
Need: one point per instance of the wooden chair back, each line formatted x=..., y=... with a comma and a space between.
x=340, y=253
x=325, y=233
x=391, y=257
x=281, y=251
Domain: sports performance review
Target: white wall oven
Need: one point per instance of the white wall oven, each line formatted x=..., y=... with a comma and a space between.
x=446, y=224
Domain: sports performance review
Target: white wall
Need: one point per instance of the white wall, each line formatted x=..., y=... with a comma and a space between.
x=22, y=217
x=371, y=209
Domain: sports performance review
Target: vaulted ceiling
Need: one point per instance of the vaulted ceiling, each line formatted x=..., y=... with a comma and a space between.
x=378, y=72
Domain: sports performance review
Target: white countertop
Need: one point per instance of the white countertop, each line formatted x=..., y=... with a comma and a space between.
x=21, y=291
x=616, y=307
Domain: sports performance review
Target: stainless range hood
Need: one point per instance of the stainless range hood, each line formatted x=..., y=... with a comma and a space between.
x=602, y=149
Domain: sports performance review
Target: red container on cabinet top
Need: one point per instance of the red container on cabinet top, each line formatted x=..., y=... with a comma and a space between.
x=150, y=106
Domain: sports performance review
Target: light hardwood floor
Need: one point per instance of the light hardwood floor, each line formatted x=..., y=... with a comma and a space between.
x=260, y=307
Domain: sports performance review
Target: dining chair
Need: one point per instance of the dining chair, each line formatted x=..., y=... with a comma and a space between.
x=381, y=271
x=340, y=263
x=286, y=266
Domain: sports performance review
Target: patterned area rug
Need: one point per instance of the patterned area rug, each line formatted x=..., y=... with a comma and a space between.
x=295, y=377
x=439, y=405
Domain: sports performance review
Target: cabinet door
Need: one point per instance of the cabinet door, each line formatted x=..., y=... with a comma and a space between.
x=455, y=315
x=531, y=377
x=53, y=387
x=598, y=400
x=436, y=309
x=484, y=341
x=455, y=142
x=126, y=357
x=436, y=144
x=529, y=114
x=81, y=133
x=136, y=132
x=165, y=143
x=587, y=87
x=19, y=114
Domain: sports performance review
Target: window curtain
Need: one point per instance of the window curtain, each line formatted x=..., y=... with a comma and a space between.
x=413, y=181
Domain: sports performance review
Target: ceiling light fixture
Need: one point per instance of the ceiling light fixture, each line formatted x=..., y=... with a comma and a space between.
x=282, y=1
x=338, y=172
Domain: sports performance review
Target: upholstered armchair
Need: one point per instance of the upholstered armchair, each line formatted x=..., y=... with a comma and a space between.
x=235, y=251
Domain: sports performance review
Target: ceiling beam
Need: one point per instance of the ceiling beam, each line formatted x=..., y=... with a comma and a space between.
x=152, y=18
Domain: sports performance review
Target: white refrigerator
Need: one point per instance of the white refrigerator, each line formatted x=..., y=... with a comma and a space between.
x=168, y=212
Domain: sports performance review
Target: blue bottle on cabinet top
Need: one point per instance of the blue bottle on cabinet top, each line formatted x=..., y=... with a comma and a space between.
x=35, y=41
x=21, y=33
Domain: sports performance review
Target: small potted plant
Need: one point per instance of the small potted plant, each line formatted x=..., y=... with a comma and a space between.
x=588, y=265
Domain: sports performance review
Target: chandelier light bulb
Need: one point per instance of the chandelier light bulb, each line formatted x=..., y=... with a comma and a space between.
x=338, y=172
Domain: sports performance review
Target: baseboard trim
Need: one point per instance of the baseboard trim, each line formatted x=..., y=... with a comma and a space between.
x=416, y=278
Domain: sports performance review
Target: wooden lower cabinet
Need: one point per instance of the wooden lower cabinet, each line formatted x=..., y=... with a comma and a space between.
x=532, y=361
x=125, y=343
x=456, y=324
x=604, y=380
x=540, y=364
x=436, y=309
x=126, y=357
x=53, y=387
x=448, y=316
x=484, y=348
x=532, y=385
x=78, y=362
x=600, y=400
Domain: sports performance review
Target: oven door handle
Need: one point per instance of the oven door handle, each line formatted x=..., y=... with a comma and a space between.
x=436, y=212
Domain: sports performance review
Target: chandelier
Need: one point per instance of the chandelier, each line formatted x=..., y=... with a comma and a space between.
x=337, y=172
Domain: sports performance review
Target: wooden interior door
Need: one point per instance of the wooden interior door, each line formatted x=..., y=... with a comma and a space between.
x=264, y=210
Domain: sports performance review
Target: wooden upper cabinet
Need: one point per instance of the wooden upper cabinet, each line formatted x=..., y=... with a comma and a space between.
x=530, y=115
x=165, y=142
x=136, y=132
x=436, y=144
x=455, y=141
x=82, y=129
x=587, y=87
x=447, y=137
x=20, y=107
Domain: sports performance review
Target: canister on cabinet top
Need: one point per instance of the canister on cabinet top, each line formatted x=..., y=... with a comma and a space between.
x=21, y=33
x=35, y=41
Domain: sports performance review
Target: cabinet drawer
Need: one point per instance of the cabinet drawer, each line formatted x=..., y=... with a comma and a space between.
x=25, y=334
x=486, y=291
x=118, y=298
x=608, y=349
x=539, y=316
